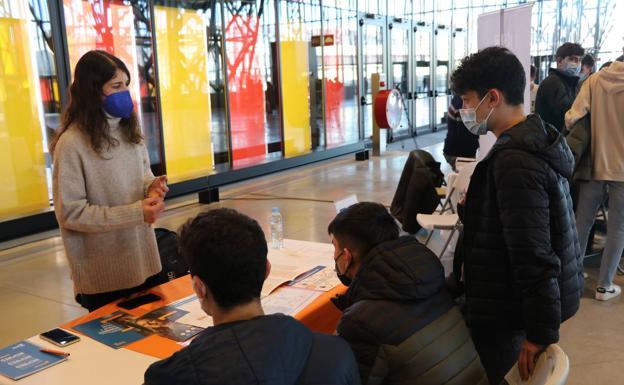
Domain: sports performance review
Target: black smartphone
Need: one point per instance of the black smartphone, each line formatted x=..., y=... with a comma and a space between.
x=138, y=301
x=59, y=337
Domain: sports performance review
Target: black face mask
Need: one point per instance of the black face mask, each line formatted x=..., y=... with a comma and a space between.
x=341, y=276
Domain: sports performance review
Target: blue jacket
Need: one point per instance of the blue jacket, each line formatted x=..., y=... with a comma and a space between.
x=272, y=349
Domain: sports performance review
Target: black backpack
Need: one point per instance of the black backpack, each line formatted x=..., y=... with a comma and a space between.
x=173, y=265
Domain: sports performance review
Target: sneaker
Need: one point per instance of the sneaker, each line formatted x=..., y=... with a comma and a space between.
x=604, y=294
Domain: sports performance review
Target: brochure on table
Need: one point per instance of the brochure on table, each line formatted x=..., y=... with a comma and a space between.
x=120, y=329
x=295, y=259
x=24, y=358
x=287, y=300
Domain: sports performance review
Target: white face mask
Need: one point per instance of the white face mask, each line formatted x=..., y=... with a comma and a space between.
x=469, y=118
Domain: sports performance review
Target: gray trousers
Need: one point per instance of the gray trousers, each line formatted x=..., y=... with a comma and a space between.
x=591, y=196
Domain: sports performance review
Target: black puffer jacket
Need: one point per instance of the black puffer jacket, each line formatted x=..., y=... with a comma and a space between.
x=523, y=265
x=401, y=322
x=555, y=96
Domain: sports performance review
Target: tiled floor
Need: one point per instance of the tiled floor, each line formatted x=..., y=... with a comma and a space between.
x=36, y=292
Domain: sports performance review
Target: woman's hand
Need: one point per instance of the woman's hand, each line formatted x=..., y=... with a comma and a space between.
x=158, y=188
x=152, y=207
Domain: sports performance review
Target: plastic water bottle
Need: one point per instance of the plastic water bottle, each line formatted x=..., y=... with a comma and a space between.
x=277, y=229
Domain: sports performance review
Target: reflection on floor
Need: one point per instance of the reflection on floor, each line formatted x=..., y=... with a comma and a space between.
x=36, y=292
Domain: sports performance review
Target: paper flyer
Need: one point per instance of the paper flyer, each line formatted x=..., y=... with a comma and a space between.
x=114, y=330
x=23, y=359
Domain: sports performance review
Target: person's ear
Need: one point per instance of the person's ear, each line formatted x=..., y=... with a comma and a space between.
x=348, y=256
x=199, y=287
x=268, y=269
x=496, y=98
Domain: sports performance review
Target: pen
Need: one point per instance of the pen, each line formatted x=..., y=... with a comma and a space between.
x=54, y=352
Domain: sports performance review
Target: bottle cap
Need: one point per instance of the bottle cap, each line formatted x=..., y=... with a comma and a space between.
x=275, y=210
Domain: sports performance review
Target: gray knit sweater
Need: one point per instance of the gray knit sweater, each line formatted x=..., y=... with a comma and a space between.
x=98, y=204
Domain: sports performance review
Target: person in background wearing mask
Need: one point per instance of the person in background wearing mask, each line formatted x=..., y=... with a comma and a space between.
x=227, y=255
x=522, y=261
x=398, y=316
x=459, y=142
x=602, y=96
x=534, y=87
x=105, y=195
x=557, y=92
x=588, y=64
x=587, y=68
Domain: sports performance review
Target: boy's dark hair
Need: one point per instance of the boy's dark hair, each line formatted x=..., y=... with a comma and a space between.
x=588, y=61
x=362, y=226
x=570, y=49
x=228, y=252
x=605, y=65
x=493, y=67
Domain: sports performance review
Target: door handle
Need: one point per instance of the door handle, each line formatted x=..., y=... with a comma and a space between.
x=363, y=101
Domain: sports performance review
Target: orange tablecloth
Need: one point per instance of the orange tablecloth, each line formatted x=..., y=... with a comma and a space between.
x=321, y=315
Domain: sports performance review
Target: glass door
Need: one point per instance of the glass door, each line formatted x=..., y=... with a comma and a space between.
x=460, y=47
x=422, y=79
x=372, y=36
x=399, y=75
x=442, y=74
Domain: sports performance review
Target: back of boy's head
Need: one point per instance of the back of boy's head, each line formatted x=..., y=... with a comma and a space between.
x=362, y=226
x=228, y=252
x=491, y=68
x=569, y=49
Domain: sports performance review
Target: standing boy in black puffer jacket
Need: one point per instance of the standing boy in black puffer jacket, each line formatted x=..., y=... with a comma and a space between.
x=523, y=265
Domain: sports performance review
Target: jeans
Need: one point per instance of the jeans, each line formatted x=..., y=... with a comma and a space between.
x=498, y=350
x=591, y=197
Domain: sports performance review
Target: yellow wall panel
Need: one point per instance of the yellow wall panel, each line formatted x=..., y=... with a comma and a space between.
x=23, y=187
x=184, y=93
x=295, y=97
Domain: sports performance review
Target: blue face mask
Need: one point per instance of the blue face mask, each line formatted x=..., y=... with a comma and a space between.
x=119, y=104
x=572, y=69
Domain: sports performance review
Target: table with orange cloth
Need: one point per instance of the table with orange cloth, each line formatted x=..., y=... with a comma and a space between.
x=320, y=315
x=94, y=363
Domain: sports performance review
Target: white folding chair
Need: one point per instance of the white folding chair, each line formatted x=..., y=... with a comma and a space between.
x=552, y=368
x=432, y=222
x=444, y=193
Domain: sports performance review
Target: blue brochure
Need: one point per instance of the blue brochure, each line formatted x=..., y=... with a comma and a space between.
x=115, y=330
x=23, y=359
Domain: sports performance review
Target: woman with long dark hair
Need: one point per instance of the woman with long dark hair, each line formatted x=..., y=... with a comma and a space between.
x=105, y=195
